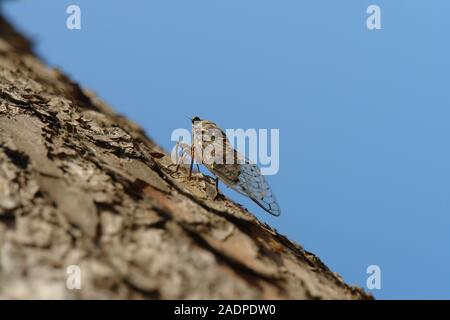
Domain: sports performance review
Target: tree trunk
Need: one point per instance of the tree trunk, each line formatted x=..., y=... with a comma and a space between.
x=82, y=186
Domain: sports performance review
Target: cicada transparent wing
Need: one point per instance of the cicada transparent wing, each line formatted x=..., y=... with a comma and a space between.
x=254, y=185
x=246, y=178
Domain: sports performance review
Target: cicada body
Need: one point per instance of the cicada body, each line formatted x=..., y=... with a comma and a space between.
x=212, y=148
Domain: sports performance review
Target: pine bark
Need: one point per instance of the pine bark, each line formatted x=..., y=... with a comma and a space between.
x=81, y=185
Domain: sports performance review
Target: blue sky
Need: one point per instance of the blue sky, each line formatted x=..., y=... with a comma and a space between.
x=363, y=115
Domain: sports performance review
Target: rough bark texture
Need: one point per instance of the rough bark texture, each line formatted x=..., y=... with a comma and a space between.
x=81, y=185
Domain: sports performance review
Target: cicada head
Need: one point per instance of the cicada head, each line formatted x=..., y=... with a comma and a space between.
x=195, y=119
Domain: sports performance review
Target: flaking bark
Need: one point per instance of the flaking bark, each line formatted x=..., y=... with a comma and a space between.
x=81, y=185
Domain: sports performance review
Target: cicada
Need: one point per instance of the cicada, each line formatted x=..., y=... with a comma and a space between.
x=211, y=147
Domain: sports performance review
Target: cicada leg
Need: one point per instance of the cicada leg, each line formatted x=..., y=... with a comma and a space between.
x=217, y=188
x=181, y=156
x=192, y=161
x=217, y=185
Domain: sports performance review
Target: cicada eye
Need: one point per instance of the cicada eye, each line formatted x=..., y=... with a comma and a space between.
x=195, y=119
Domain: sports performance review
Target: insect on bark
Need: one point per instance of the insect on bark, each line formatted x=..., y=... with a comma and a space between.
x=211, y=147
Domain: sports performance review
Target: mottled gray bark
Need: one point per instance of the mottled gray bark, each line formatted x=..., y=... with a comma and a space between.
x=81, y=185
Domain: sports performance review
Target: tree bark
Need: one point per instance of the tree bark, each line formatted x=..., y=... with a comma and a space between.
x=81, y=185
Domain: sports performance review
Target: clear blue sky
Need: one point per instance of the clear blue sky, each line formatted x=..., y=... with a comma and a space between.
x=364, y=116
